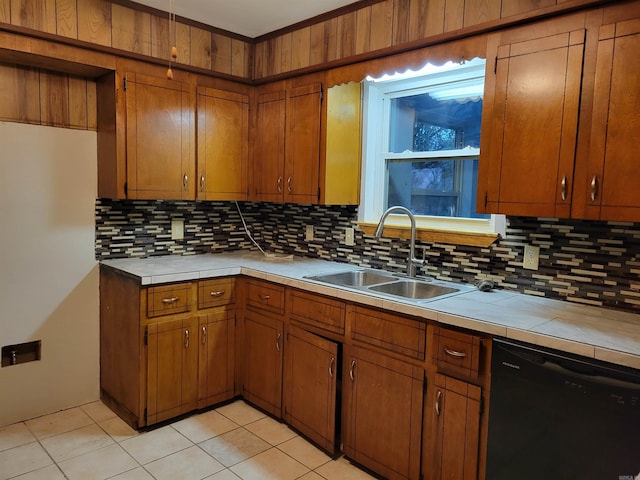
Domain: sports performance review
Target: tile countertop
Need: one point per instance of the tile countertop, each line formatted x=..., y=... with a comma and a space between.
x=595, y=332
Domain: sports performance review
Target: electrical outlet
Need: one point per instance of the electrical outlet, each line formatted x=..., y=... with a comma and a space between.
x=349, y=236
x=177, y=229
x=531, y=257
x=308, y=234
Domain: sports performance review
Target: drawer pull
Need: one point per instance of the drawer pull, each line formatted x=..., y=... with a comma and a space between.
x=219, y=293
x=438, y=398
x=186, y=339
x=454, y=353
x=204, y=335
x=352, y=370
x=563, y=185
x=331, y=363
x=170, y=300
x=278, y=342
x=265, y=296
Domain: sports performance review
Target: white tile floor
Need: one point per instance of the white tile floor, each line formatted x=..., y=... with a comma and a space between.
x=232, y=442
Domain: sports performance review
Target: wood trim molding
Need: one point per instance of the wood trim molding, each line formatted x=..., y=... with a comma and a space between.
x=472, y=239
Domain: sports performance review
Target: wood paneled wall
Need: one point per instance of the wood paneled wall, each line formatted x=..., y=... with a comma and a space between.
x=32, y=95
x=115, y=25
x=390, y=23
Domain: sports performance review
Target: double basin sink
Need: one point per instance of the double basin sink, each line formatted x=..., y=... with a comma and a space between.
x=390, y=285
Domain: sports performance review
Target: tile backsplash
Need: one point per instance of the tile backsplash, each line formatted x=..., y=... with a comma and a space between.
x=589, y=262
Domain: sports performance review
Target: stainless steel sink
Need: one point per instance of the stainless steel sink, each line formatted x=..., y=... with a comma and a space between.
x=413, y=289
x=354, y=278
x=390, y=285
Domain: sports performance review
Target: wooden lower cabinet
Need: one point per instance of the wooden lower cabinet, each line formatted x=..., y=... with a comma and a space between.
x=172, y=368
x=216, y=365
x=165, y=349
x=311, y=371
x=262, y=358
x=382, y=413
x=451, y=430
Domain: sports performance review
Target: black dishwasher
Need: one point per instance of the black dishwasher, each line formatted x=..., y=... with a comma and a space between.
x=553, y=415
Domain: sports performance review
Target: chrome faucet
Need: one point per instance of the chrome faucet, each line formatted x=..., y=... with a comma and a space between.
x=412, y=261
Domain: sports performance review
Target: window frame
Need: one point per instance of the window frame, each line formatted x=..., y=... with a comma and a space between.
x=377, y=95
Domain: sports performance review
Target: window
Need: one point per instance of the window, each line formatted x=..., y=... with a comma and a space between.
x=421, y=147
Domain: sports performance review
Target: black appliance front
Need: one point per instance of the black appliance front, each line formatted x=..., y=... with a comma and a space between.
x=558, y=416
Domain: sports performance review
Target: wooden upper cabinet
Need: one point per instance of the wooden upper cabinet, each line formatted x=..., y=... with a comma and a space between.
x=287, y=144
x=223, y=145
x=146, y=138
x=302, y=141
x=268, y=168
x=529, y=124
x=340, y=169
x=611, y=191
x=160, y=163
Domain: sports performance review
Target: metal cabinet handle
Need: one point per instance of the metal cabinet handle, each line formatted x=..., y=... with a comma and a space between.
x=331, y=363
x=352, y=370
x=170, y=300
x=279, y=184
x=278, y=341
x=563, y=188
x=454, y=353
x=265, y=296
x=204, y=334
x=185, y=181
x=289, y=184
x=202, y=183
x=186, y=338
x=438, y=398
x=218, y=293
x=594, y=188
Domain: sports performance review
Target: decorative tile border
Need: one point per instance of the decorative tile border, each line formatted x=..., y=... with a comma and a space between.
x=588, y=262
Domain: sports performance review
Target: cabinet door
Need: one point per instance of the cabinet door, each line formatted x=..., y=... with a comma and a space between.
x=453, y=434
x=526, y=163
x=160, y=160
x=216, y=368
x=269, y=147
x=309, y=391
x=382, y=413
x=223, y=143
x=172, y=369
x=262, y=358
x=302, y=160
x=613, y=192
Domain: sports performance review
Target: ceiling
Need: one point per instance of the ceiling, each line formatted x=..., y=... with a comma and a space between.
x=250, y=18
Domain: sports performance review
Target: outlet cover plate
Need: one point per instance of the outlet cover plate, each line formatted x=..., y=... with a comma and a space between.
x=177, y=229
x=308, y=234
x=349, y=236
x=531, y=257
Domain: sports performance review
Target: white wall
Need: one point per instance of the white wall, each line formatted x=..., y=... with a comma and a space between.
x=48, y=272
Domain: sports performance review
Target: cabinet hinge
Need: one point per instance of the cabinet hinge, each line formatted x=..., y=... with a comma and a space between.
x=124, y=84
x=146, y=337
x=321, y=94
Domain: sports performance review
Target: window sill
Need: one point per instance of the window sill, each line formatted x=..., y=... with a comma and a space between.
x=473, y=239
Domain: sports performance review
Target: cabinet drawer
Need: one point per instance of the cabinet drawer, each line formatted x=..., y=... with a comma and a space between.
x=216, y=292
x=265, y=296
x=457, y=352
x=317, y=311
x=388, y=331
x=168, y=299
